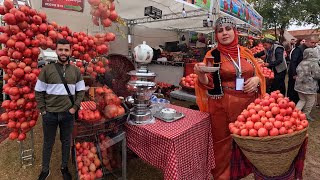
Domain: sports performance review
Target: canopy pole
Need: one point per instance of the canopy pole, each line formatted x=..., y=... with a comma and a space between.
x=130, y=28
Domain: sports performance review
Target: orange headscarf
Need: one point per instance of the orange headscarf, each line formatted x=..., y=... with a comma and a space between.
x=232, y=48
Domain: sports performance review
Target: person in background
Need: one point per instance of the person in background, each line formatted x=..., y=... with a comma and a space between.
x=308, y=74
x=296, y=58
x=220, y=95
x=56, y=107
x=275, y=60
x=292, y=43
x=298, y=43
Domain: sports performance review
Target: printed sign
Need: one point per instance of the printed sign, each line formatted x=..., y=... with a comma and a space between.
x=69, y=5
x=204, y=4
x=240, y=10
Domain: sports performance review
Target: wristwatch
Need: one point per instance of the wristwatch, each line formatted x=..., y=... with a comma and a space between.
x=43, y=113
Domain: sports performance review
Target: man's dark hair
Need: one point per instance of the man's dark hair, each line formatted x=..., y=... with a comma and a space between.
x=62, y=41
x=267, y=40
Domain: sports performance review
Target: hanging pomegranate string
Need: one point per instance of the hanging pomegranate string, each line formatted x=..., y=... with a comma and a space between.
x=25, y=32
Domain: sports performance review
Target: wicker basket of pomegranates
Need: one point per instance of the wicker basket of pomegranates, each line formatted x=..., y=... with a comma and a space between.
x=270, y=133
x=106, y=112
x=112, y=125
x=187, y=83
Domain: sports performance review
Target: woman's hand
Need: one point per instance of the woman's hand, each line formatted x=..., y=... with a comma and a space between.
x=251, y=84
x=197, y=69
x=201, y=74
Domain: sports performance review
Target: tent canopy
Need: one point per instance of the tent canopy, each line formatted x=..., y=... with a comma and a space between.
x=171, y=15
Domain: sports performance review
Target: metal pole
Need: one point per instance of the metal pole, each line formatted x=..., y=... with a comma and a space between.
x=124, y=158
x=130, y=37
x=27, y=153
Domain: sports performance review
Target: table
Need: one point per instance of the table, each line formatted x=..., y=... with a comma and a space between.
x=181, y=149
x=183, y=95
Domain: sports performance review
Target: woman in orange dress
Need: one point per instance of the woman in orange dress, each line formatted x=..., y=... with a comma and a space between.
x=226, y=92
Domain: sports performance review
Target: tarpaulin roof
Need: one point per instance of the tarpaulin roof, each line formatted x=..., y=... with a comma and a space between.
x=171, y=15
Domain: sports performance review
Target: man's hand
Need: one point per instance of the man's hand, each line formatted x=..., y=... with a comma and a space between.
x=72, y=111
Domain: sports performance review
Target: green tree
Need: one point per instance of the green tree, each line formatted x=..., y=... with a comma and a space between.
x=277, y=14
x=310, y=12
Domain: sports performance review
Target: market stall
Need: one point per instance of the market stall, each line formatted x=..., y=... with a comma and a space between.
x=174, y=139
x=29, y=38
x=194, y=19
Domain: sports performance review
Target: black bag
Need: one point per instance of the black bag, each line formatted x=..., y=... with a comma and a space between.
x=67, y=88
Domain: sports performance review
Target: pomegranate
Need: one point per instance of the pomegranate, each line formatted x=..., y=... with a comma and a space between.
x=106, y=22
x=20, y=16
x=94, y=2
x=13, y=135
x=20, y=46
x=10, y=19
x=43, y=28
x=43, y=16
x=10, y=43
x=37, y=19
x=4, y=38
x=113, y=15
x=23, y=25
x=4, y=60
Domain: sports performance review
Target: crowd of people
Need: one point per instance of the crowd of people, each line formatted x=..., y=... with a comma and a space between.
x=284, y=60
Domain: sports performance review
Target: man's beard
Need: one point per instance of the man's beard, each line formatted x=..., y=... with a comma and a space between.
x=63, y=61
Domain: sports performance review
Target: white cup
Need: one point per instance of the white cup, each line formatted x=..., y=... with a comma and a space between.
x=168, y=113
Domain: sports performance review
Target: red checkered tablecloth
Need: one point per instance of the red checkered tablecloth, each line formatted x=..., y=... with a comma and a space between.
x=182, y=150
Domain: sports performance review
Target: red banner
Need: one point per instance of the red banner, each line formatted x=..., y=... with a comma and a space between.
x=69, y=5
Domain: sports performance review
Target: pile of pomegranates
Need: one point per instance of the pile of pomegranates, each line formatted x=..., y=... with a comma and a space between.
x=257, y=48
x=103, y=12
x=189, y=80
x=88, y=162
x=271, y=115
x=108, y=106
x=108, y=102
x=267, y=73
x=25, y=32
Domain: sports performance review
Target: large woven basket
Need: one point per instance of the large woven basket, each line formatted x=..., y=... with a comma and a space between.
x=273, y=155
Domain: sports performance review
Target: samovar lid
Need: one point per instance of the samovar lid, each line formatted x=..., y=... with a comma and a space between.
x=142, y=73
x=142, y=83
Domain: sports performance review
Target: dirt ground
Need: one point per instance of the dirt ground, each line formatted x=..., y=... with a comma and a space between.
x=10, y=168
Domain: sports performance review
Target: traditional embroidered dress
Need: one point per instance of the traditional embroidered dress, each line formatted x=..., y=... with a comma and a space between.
x=222, y=101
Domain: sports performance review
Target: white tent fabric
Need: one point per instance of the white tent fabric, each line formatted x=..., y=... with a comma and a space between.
x=134, y=9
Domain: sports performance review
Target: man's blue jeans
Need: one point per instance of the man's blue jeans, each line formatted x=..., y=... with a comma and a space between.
x=50, y=122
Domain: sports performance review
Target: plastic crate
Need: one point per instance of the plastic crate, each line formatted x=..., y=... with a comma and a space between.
x=87, y=139
x=116, y=167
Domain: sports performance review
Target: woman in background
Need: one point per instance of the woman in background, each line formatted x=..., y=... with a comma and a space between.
x=308, y=74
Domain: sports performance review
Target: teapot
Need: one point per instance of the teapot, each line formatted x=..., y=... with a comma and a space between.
x=143, y=53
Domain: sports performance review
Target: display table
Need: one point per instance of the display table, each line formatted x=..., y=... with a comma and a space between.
x=181, y=149
x=183, y=95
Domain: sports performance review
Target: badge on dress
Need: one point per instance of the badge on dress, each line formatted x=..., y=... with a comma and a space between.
x=239, y=84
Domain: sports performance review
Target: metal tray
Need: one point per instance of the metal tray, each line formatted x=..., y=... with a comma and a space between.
x=178, y=116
